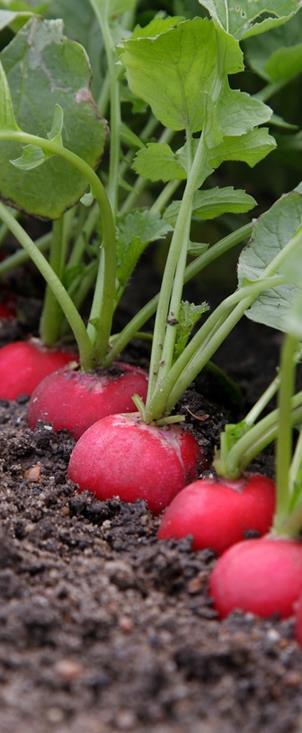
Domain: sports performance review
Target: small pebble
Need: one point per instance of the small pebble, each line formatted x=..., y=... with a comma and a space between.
x=33, y=474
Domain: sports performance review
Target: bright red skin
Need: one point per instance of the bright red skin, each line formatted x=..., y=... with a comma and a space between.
x=262, y=576
x=73, y=400
x=23, y=364
x=219, y=513
x=121, y=456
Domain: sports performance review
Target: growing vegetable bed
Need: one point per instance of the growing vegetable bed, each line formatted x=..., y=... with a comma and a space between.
x=105, y=629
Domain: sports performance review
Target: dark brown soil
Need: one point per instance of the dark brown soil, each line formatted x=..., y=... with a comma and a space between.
x=104, y=629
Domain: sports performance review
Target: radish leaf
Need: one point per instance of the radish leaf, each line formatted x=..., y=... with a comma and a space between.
x=272, y=232
x=49, y=75
x=157, y=162
x=189, y=315
x=189, y=53
x=213, y=202
x=250, y=17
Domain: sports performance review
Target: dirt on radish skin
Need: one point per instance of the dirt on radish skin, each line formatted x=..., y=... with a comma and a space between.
x=23, y=364
x=73, y=400
x=260, y=576
x=122, y=456
x=216, y=514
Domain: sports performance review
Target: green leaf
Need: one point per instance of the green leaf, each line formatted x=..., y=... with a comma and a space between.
x=272, y=232
x=175, y=71
x=135, y=231
x=7, y=115
x=189, y=315
x=213, y=202
x=45, y=72
x=31, y=158
x=249, y=148
x=9, y=18
x=157, y=162
x=81, y=24
x=238, y=112
x=250, y=17
x=278, y=56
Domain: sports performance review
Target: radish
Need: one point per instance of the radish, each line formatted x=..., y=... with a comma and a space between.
x=261, y=576
x=23, y=364
x=74, y=400
x=132, y=460
x=219, y=513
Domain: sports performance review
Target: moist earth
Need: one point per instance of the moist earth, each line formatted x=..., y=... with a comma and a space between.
x=103, y=628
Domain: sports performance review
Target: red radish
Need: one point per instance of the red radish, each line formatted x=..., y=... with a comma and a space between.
x=122, y=456
x=23, y=364
x=219, y=513
x=261, y=576
x=73, y=400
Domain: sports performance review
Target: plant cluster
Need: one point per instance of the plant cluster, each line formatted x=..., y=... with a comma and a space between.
x=116, y=124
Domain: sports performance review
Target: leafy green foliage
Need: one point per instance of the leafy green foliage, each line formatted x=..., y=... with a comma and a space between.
x=49, y=76
x=278, y=55
x=7, y=115
x=249, y=148
x=135, y=231
x=157, y=162
x=272, y=232
x=8, y=18
x=189, y=315
x=189, y=53
x=250, y=17
x=80, y=24
x=213, y=202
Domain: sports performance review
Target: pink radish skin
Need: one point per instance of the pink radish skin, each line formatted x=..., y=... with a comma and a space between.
x=23, y=364
x=262, y=576
x=122, y=456
x=73, y=400
x=219, y=513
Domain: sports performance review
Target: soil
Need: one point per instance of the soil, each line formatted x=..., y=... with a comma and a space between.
x=104, y=629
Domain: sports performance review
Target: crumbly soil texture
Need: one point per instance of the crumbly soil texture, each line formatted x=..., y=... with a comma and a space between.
x=103, y=628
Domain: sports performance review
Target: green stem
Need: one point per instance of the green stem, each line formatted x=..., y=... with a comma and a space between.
x=164, y=197
x=285, y=439
x=3, y=228
x=182, y=378
x=207, y=340
x=50, y=323
x=193, y=269
x=93, y=325
x=295, y=469
x=102, y=14
x=21, y=257
x=71, y=313
x=86, y=226
x=108, y=226
x=263, y=401
x=269, y=90
x=179, y=240
x=258, y=438
x=178, y=283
